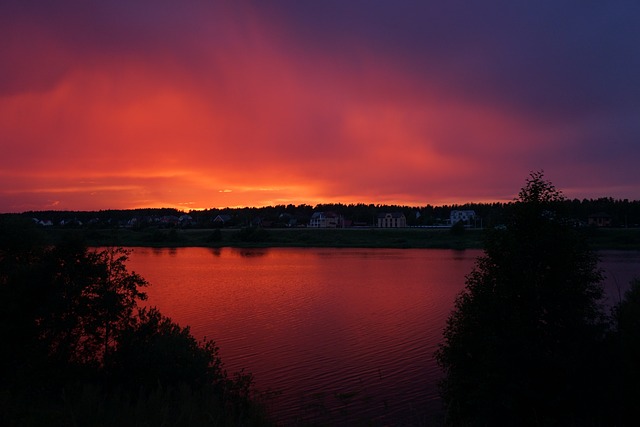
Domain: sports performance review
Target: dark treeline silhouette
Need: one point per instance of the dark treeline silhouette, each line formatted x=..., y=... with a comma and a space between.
x=620, y=213
x=78, y=348
x=529, y=341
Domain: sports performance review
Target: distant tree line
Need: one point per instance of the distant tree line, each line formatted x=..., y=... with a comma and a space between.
x=622, y=213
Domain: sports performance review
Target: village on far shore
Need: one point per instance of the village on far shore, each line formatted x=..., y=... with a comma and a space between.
x=603, y=212
x=609, y=223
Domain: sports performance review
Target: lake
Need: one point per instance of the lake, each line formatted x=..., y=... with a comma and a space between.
x=333, y=335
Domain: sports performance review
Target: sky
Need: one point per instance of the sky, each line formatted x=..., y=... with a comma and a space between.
x=200, y=104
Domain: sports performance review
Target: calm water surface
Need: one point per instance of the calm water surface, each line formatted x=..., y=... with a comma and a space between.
x=338, y=335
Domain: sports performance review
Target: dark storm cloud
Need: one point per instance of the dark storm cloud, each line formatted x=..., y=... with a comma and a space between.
x=547, y=57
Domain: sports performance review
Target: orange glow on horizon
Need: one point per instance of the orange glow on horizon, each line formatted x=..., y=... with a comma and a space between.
x=243, y=114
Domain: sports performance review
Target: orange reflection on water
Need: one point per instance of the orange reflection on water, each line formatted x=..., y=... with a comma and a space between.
x=316, y=322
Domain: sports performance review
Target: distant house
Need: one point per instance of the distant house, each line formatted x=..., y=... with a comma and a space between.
x=169, y=220
x=600, y=220
x=44, y=223
x=288, y=220
x=326, y=220
x=71, y=222
x=392, y=220
x=185, y=220
x=222, y=220
x=466, y=216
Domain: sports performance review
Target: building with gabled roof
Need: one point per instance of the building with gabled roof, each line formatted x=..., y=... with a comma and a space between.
x=326, y=220
x=466, y=216
x=392, y=220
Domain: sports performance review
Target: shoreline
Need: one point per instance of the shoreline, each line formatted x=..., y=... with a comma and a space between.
x=398, y=238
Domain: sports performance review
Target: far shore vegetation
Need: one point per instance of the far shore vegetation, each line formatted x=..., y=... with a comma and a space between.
x=607, y=223
x=401, y=238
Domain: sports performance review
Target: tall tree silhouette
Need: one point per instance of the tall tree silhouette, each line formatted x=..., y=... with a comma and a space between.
x=65, y=302
x=78, y=350
x=625, y=392
x=517, y=345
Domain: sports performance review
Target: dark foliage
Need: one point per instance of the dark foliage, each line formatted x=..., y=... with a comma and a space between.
x=76, y=342
x=154, y=349
x=252, y=234
x=457, y=229
x=621, y=213
x=523, y=345
x=215, y=236
x=624, y=391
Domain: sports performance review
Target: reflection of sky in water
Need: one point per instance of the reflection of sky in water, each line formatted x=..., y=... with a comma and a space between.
x=311, y=323
x=620, y=268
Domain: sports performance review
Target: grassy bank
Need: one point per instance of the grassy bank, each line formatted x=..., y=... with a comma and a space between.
x=620, y=238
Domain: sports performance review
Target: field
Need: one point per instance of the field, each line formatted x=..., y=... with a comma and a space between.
x=613, y=238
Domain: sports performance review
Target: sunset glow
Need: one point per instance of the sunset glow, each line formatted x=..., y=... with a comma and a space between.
x=211, y=104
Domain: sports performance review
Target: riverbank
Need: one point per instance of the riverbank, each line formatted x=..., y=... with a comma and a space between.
x=435, y=238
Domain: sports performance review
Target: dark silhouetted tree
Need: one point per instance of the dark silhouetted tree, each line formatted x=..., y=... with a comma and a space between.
x=625, y=390
x=78, y=350
x=91, y=299
x=153, y=349
x=521, y=344
x=63, y=305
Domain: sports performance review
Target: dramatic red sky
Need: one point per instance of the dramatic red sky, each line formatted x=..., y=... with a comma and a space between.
x=200, y=104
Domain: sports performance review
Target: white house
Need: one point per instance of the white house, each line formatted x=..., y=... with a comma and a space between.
x=326, y=220
x=392, y=220
x=466, y=216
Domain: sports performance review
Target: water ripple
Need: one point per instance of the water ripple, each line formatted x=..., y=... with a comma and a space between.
x=339, y=335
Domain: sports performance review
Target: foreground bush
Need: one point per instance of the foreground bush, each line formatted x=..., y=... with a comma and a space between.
x=79, y=350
